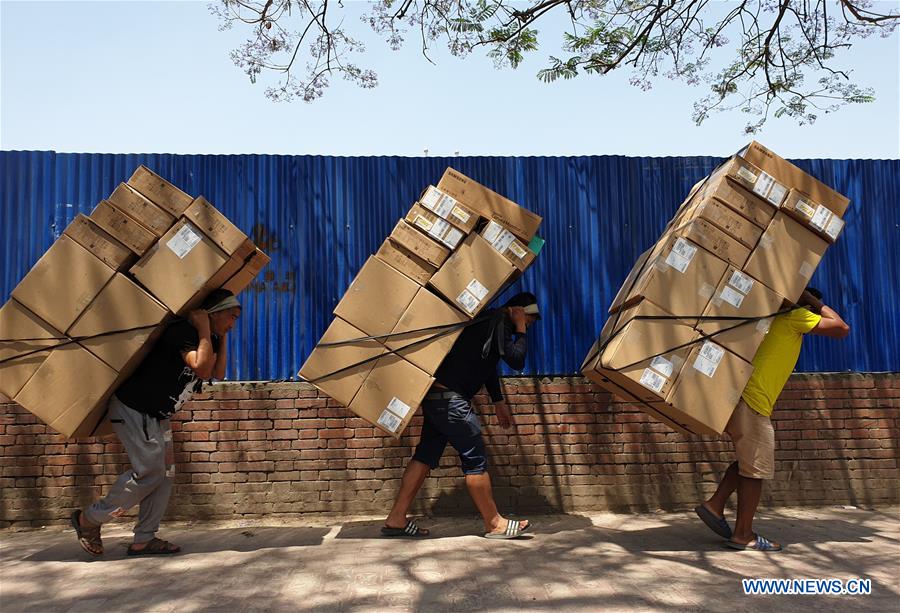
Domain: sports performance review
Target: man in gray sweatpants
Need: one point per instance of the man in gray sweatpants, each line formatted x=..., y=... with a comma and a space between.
x=188, y=352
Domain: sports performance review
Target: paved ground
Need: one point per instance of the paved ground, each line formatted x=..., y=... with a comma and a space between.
x=571, y=563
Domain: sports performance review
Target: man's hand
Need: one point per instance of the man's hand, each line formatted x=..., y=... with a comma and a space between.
x=807, y=299
x=199, y=318
x=503, y=415
x=518, y=318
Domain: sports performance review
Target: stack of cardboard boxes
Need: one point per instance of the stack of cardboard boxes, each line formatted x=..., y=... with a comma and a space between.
x=89, y=310
x=443, y=263
x=747, y=237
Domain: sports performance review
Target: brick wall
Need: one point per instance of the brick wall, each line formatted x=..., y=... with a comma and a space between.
x=245, y=449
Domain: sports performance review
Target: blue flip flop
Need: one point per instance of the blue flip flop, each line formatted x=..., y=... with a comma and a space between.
x=716, y=524
x=760, y=544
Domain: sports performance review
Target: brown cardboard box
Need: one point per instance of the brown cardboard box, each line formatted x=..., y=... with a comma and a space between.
x=62, y=283
x=215, y=225
x=17, y=322
x=133, y=204
x=449, y=208
x=233, y=266
x=406, y=262
x=248, y=272
x=739, y=295
x=323, y=361
x=426, y=311
x=630, y=358
x=701, y=232
x=723, y=217
x=96, y=240
x=508, y=245
x=376, y=298
x=786, y=257
x=487, y=203
x=679, y=276
x=753, y=179
x=69, y=391
x=391, y=393
x=178, y=268
x=790, y=175
x=121, y=305
x=473, y=275
x=435, y=226
x=417, y=243
x=123, y=228
x=159, y=191
x=816, y=217
x=707, y=389
x=726, y=189
x=631, y=281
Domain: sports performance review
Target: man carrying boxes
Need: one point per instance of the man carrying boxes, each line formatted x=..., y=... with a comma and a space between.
x=189, y=351
x=750, y=427
x=450, y=417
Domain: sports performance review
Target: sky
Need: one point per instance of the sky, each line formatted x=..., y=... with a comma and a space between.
x=156, y=77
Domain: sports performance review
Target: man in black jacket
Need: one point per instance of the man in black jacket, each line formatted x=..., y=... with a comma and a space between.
x=450, y=418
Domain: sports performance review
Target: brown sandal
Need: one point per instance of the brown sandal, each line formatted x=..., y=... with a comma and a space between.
x=88, y=536
x=155, y=547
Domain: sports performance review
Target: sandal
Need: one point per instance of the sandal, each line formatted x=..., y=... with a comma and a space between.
x=155, y=547
x=714, y=522
x=411, y=529
x=514, y=529
x=760, y=544
x=88, y=536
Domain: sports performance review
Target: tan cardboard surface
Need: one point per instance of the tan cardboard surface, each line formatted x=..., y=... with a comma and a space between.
x=159, y=191
x=406, y=262
x=17, y=322
x=473, y=275
x=215, y=225
x=786, y=257
x=391, y=394
x=417, y=243
x=248, y=272
x=449, y=208
x=122, y=227
x=814, y=216
x=376, y=298
x=727, y=189
x=324, y=361
x=701, y=232
x=62, y=283
x=756, y=181
x=435, y=226
x=508, y=245
x=723, y=217
x=99, y=242
x=426, y=311
x=133, y=204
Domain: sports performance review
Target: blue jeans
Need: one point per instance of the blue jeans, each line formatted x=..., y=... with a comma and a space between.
x=450, y=418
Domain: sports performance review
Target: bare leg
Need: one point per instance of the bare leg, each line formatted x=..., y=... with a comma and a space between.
x=749, y=492
x=413, y=478
x=480, y=490
x=729, y=483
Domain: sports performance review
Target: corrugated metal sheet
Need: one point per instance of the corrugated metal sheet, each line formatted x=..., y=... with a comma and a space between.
x=320, y=217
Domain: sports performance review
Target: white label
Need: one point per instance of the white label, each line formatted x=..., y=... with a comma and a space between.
x=423, y=223
x=652, y=380
x=677, y=261
x=711, y=352
x=431, y=197
x=705, y=366
x=389, y=421
x=741, y=282
x=834, y=227
x=684, y=249
x=398, y=406
x=184, y=241
x=746, y=174
x=776, y=194
x=468, y=301
x=461, y=215
x=820, y=220
x=492, y=231
x=452, y=238
x=732, y=296
x=444, y=207
x=477, y=289
x=662, y=366
x=439, y=229
x=805, y=208
x=517, y=250
x=763, y=184
x=806, y=270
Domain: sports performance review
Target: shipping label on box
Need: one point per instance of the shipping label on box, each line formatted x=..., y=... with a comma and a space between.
x=449, y=208
x=816, y=217
x=723, y=217
x=122, y=227
x=159, y=191
x=133, y=204
x=727, y=190
x=406, y=262
x=96, y=240
x=701, y=232
x=376, y=298
x=25, y=341
x=754, y=180
x=436, y=227
x=215, y=225
x=420, y=245
x=391, y=394
x=426, y=331
x=508, y=245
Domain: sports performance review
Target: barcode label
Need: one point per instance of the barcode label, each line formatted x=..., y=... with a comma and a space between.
x=452, y=238
x=732, y=296
x=389, y=421
x=763, y=184
x=477, y=289
x=662, y=366
x=431, y=197
x=776, y=194
x=491, y=232
x=747, y=175
x=834, y=227
x=820, y=220
x=468, y=301
x=461, y=215
x=741, y=282
x=445, y=206
x=398, y=406
x=805, y=208
x=518, y=250
x=184, y=241
x=652, y=380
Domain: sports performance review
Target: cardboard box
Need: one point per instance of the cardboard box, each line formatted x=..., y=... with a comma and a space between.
x=473, y=275
x=133, y=204
x=177, y=269
x=435, y=226
x=391, y=393
x=159, y=191
x=68, y=392
x=701, y=232
x=508, y=245
x=753, y=179
x=22, y=333
x=412, y=331
x=63, y=283
x=629, y=358
x=816, y=217
x=250, y=269
x=707, y=389
x=449, y=208
x=96, y=240
x=418, y=244
x=786, y=257
x=121, y=305
x=376, y=298
x=679, y=276
x=487, y=203
x=739, y=295
x=406, y=262
x=327, y=367
x=123, y=228
x=790, y=175
x=726, y=189
x=723, y=217
x=215, y=225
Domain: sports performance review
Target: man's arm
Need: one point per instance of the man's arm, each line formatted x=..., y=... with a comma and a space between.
x=515, y=347
x=202, y=359
x=500, y=408
x=831, y=324
x=221, y=358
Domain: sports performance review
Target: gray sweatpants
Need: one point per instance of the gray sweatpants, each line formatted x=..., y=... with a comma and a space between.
x=148, y=443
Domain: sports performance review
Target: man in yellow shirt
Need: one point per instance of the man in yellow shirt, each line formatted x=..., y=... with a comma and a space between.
x=750, y=427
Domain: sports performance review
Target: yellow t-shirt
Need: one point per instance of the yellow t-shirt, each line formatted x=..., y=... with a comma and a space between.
x=776, y=358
